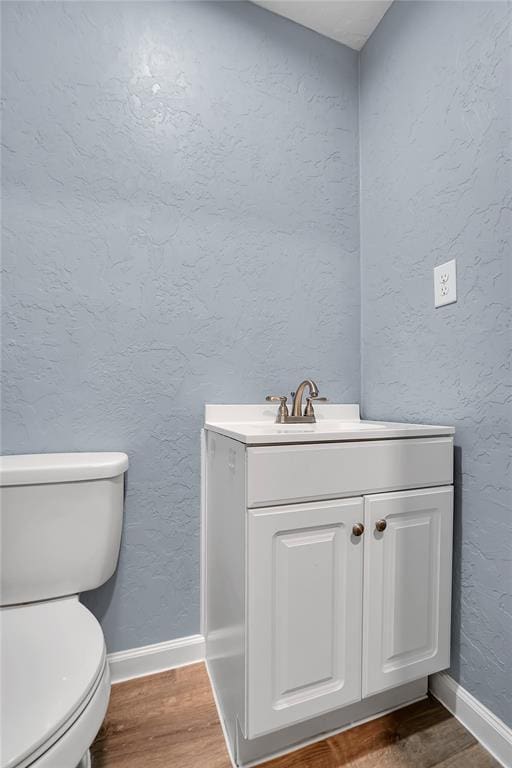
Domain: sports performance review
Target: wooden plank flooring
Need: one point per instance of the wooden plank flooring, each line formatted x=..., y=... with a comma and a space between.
x=162, y=721
x=170, y=721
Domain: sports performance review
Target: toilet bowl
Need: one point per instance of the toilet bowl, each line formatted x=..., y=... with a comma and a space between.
x=60, y=518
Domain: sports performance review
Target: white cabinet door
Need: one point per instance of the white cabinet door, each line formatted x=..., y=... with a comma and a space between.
x=304, y=612
x=407, y=586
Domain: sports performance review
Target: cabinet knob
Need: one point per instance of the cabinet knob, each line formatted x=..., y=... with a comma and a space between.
x=358, y=529
x=381, y=526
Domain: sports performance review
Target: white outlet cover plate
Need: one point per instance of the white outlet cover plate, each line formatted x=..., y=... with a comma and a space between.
x=445, y=284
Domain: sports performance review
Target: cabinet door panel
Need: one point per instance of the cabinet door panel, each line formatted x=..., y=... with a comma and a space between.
x=407, y=587
x=304, y=612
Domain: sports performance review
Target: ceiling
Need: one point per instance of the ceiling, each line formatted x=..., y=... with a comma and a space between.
x=348, y=21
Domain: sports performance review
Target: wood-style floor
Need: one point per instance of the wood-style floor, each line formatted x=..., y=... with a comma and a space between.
x=170, y=721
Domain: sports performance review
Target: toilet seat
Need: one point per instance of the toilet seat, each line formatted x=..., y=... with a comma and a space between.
x=53, y=667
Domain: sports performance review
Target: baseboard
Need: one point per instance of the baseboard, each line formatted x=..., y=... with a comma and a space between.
x=150, y=659
x=489, y=730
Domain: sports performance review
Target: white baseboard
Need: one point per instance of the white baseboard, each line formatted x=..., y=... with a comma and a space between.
x=150, y=659
x=489, y=730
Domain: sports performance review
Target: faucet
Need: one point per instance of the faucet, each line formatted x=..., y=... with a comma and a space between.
x=297, y=396
x=297, y=416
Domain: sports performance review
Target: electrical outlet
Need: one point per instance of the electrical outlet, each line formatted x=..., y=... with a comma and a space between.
x=445, y=284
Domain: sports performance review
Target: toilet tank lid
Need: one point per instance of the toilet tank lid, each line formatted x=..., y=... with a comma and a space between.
x=36, y=468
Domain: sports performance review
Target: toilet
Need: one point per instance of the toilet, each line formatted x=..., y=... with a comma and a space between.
x=60, y=524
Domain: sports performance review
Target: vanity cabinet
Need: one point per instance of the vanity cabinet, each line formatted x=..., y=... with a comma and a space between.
x=315, y=603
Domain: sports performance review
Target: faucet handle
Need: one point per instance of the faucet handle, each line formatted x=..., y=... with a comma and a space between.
x=282, y=413
x=309, y=411
x=276, y=399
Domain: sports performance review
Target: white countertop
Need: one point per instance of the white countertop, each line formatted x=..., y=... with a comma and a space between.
x=255, y=425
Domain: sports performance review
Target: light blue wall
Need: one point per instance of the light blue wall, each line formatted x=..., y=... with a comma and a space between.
x=436, y=180
x=180, y=226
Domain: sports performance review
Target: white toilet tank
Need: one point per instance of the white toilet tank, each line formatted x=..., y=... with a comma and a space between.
x=61, y=516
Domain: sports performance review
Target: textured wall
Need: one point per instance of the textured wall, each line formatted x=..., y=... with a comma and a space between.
x=435, y=119
x=181, y=226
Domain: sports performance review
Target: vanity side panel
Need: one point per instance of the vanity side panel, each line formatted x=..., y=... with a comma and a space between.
x=285, y=474
x=225, y=468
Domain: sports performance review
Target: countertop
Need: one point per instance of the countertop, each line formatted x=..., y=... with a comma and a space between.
x=255, y=425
